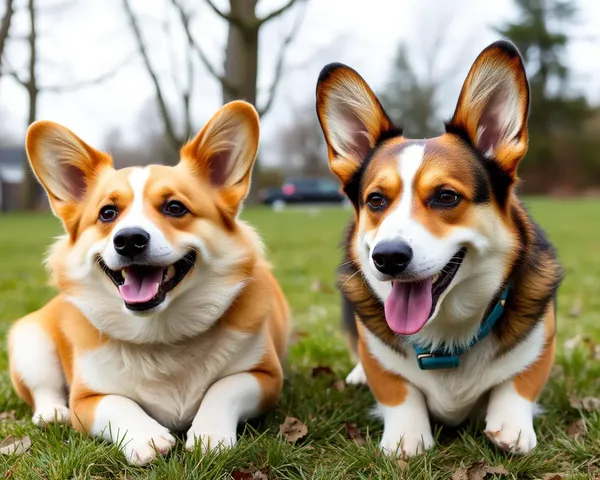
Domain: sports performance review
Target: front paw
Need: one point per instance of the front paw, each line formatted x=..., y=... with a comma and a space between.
x=511, y=436
x=51, y=414
x=142, y=448
x=209, y=441
x=407, y=445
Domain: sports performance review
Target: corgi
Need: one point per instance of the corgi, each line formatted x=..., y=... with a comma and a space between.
x=168, y=317
x=451, y=284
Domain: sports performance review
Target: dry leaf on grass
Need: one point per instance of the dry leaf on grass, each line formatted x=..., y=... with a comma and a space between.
x=292, y=429
x=245, y=475
x=15, y=445
x=577, y=429
x=402, y=464
x=353, y=433
x=478, y=471
x=322, y=370
x=553, y=476
x=589, y=404
x=9, y=415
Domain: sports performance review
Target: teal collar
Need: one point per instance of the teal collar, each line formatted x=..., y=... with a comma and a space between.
x=442, y=358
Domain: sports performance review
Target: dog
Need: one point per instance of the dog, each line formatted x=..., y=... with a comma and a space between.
x=168, y=317
x=451, y=283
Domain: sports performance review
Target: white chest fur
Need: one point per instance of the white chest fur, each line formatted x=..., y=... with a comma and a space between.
x=169, y=381
x=451, y=395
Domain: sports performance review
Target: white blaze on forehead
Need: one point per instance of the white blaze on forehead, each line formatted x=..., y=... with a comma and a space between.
x=397, y=224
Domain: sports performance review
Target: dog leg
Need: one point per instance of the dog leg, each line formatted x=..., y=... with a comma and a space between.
x=121, y=421
x=509, y=420
x=406, y=427
x=234, y=399
x=36, y=371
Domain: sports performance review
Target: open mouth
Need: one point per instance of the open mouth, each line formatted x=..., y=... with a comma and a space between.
x=410, y=304
x=143, y=287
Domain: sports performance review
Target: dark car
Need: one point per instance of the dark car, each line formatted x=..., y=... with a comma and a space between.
x=304, y=190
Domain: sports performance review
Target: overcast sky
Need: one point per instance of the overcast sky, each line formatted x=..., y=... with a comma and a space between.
x=92, y=36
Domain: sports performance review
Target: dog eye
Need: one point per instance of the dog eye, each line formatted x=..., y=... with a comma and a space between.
x=175, y=209
x=446, y=198
x=108, y=214
x=376, y=201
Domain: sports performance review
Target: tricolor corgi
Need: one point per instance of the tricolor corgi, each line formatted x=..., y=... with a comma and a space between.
x=168, y=317
x=451, y=282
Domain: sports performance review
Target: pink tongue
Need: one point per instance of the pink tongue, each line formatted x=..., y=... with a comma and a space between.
x=408, y=306
x=141, y=284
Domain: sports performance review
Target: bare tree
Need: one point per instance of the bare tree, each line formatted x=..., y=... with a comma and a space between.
x=30, y=83
x=302, y=145
x=5, y=27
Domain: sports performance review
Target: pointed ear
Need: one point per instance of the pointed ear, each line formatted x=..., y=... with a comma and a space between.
x=223, y=153
x=493, y=106
x=351, y=117
x=63, y=163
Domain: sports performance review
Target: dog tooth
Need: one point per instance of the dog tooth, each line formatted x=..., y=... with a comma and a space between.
x=124, y=273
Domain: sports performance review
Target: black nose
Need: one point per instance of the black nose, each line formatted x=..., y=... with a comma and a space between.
x=392, y=258
x=131, y=241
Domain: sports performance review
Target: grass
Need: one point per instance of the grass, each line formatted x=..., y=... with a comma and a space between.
x=303, y=246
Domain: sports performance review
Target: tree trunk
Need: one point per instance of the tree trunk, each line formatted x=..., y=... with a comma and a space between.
x=29, y=186
x=241, y=64
x=5, y=27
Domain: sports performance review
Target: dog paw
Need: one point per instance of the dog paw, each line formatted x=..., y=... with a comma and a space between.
x=141, y=449
x=407, y=446
x=209, y=441
x=510, y=437
x=51, y=414
x=357, y=376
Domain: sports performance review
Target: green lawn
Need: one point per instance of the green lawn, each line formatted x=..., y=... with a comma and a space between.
x=303, y=246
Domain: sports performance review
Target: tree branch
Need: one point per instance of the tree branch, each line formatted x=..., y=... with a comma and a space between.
x=281, y=60
x=5, y=26
x=277, y=12
x=185, y=21
x=162, y=104
x=226, y=16
x=91, y=81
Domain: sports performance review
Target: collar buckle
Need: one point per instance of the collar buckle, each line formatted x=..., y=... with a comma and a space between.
x=434, y=361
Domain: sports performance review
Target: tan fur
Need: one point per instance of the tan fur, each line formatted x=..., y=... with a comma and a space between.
x=388, y=388
x=212, y=196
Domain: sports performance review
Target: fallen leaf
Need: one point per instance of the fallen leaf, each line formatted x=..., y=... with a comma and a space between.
x=478, y=471
x=322, y=370
x=589, y=404
x=259, y=476
x=339, y=385
x=241, y=475
x=15, y=445
x=353, y=433
x=9, y=415
x=402, y=464
x=577, y=429
x=292, y=429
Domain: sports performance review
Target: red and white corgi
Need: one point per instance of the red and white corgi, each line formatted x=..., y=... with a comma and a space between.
x=168, y=316
x=452, y=283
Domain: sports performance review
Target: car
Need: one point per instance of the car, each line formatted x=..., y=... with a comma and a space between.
x=305, y=190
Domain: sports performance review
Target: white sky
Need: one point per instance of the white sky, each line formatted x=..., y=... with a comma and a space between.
x=92, y=36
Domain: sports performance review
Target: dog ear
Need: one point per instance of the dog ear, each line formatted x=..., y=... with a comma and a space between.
x=64, y=164
x=351, y=117
x=224, y=152
x=493, y=106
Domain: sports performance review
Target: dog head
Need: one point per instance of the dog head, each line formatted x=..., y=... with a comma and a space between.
x=433, y=235
x=151, y=254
